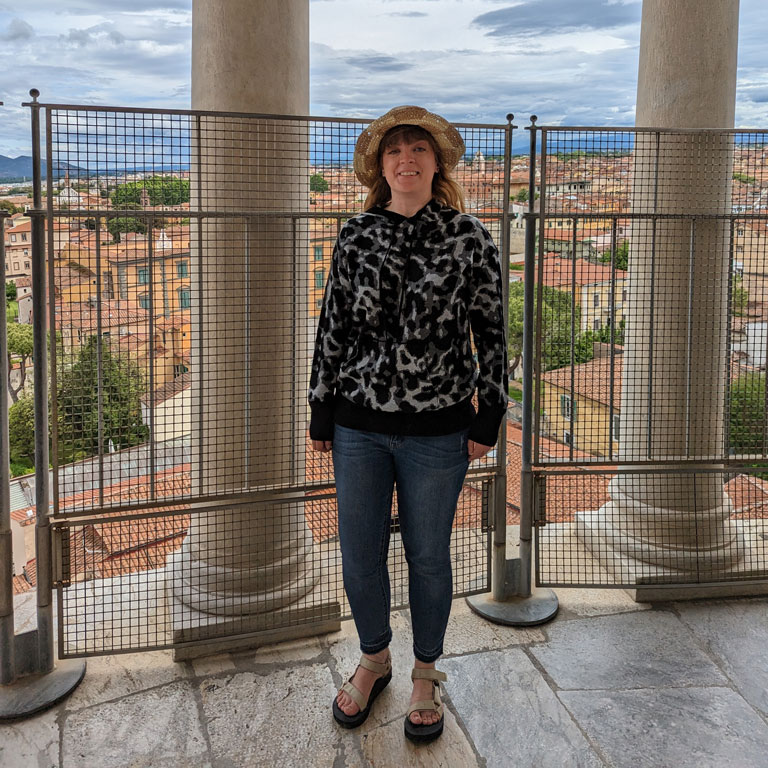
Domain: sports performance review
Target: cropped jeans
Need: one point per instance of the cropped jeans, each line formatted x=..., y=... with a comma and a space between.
x=428, y=473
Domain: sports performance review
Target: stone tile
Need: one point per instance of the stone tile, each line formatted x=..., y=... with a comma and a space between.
x=111, y=677
x=32, y=742
x=743, y=652
x=145, y=730
x=279, y=719
x=701, y=727
x=634, y=650
x=467, y=632
x=596, y=602
x=304, y=649
x=512, y=715
x=205, y=666
x=393, y=701
x=387, y=747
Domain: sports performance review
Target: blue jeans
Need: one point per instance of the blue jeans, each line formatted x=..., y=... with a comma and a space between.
x=429, y=473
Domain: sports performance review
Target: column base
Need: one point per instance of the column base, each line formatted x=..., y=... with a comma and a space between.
x=646, y=565
x=196, y=633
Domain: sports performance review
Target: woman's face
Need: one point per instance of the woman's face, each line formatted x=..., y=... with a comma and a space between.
x=409, y=167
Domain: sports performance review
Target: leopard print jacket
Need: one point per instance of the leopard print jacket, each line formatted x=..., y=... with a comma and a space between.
x=394, y=332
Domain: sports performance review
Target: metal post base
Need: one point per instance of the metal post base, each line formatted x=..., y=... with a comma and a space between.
x=539, y=607
x=34, y=693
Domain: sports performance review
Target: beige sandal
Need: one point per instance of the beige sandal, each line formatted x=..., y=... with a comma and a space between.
x=419, y=732
x=380, y=668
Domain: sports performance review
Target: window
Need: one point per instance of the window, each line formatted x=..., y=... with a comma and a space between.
x=566, y=407
x=567, y=437
x=144, y=301
x=319, y=278
x=596, y=325
x=27, y=265
x=319, y=303
x=623, y=294
x=185, y=301
x=26, y=251
x=179, y=369
x=318, y=253
x=740, y=231
x=596, y=300
x=143, y=276
x=15, y=266
x=182, y=269
x=739, y=249
x=616, y=421
x=13, y=238
x=23, y=237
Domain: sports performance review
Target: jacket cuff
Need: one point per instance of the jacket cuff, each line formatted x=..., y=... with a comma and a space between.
x=485, y=426
x=321, y=421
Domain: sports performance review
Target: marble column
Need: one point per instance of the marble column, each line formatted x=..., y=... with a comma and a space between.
x=676, y=526
x=248, y=567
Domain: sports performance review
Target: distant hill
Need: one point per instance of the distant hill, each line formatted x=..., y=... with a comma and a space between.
x=13, y=168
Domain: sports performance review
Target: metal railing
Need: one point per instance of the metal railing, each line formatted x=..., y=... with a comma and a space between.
x=649, y=422
x=186, y=259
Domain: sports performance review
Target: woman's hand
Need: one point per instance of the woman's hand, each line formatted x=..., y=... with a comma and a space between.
x=477, y=450
x=322, y=445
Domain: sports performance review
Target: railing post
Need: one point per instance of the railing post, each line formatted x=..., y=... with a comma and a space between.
x=513, y=600
x=34, y=682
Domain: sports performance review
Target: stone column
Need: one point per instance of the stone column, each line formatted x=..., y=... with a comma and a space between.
x=248, y=567
x=672, y=407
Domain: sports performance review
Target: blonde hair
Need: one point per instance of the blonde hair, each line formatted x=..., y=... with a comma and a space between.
x=444, y=189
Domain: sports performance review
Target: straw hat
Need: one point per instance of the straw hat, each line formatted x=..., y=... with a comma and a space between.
x=445, y=135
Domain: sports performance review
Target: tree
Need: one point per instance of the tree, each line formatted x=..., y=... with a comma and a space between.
x=747, y=414
x=622, y=256
x=161, y=190
x=318, y=183
x=555, y=326
x=119, y=225
x=21, y=431
x=739, y=296
x=121, y=387
x=522, y=196
x=20, y=346
x=7, y=205
x=10, y=292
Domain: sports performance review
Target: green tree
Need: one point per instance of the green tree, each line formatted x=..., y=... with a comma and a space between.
x=21, y=431
x=7, y=205
x=125, y=224
x=20, y=346
x=10, y=292
x=747, y=414
x=318, y=183
x=161, y=190
x=121, y=387
x=739, y=296
x=555, y=325
x=622, y=256
x=522, y=196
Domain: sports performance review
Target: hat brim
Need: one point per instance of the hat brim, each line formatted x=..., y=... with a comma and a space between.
x=447, y=138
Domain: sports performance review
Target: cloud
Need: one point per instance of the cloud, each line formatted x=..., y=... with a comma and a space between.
x=17, y=30
x=378, y=63
x=541, y=17
x=409, y=14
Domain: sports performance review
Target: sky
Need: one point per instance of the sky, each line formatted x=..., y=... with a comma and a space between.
x=568, y=61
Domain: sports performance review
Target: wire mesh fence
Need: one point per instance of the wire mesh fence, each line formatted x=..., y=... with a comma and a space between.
x=187, y=257
x=650, y=356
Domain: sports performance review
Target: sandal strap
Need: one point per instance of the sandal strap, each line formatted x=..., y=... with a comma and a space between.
x=428, y=674
x=354, y=694
x=379, y=668
x=434, y=705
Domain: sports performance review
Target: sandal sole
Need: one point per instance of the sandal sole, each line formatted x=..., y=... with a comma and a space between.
x=353, y=721
x=423, y=734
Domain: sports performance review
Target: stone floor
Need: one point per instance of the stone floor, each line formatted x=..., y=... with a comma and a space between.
x=608, y=682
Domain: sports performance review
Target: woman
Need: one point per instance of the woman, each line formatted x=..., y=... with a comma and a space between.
x=391, y=391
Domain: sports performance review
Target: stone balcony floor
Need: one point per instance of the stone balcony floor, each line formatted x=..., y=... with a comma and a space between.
x=608, y=682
